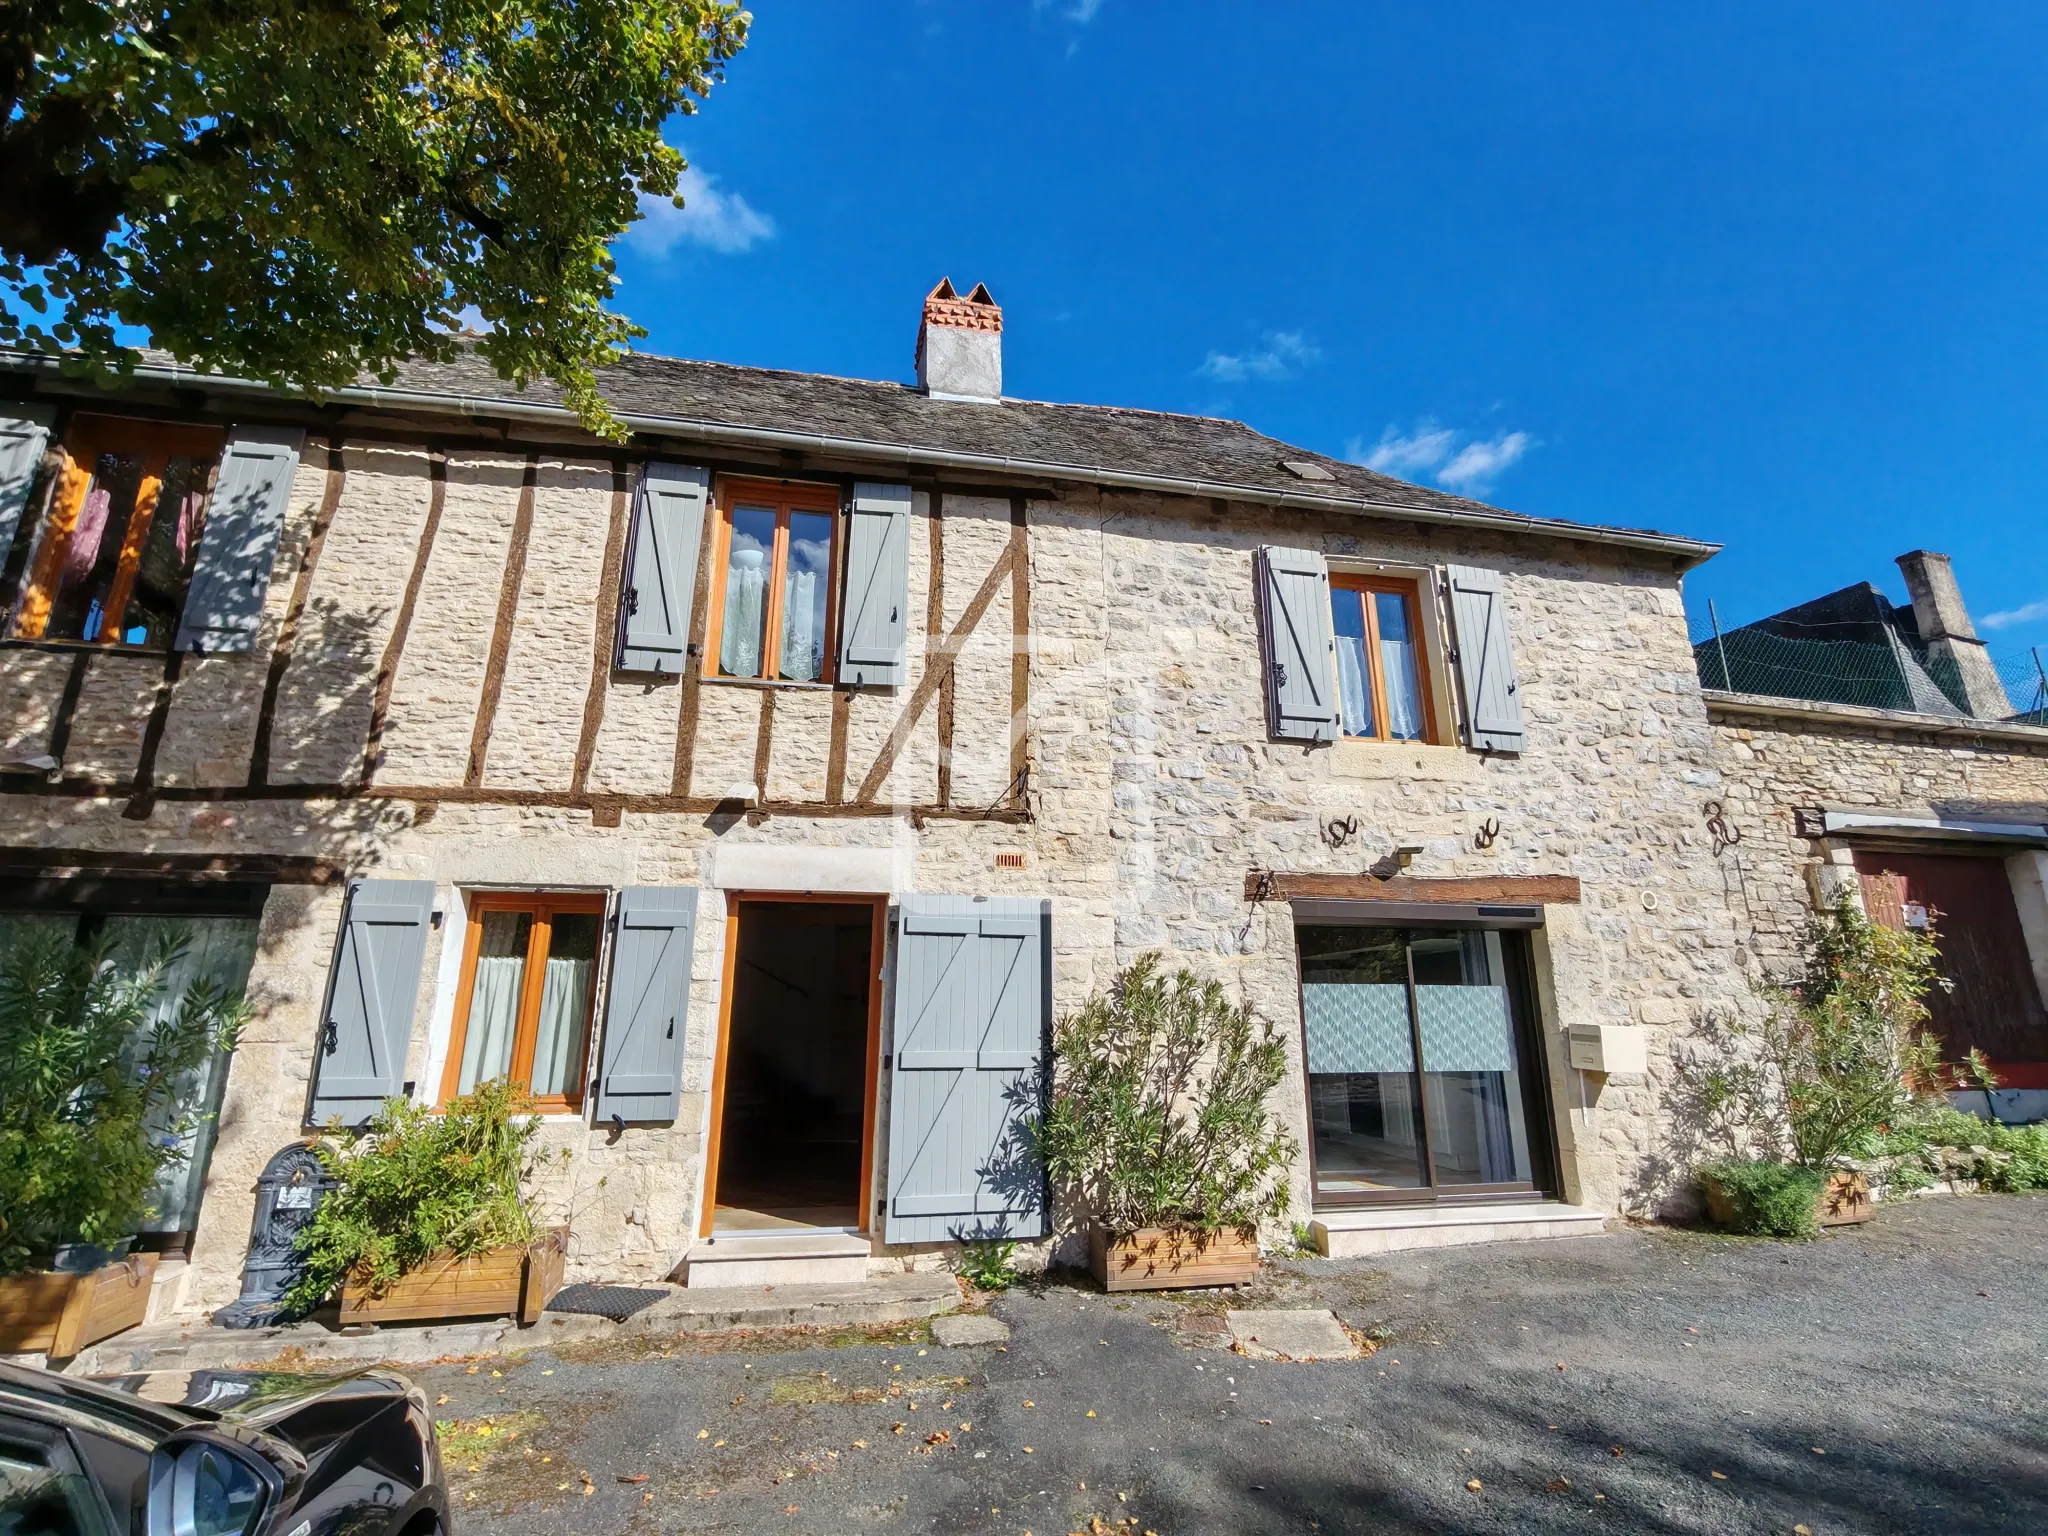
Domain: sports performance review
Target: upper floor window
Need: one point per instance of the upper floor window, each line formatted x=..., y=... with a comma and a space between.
x=529, y=974
x=1382, y=678
x=117, y=547
x=773, y=573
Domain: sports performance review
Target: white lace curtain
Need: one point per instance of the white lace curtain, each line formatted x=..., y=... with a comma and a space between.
x=494, y=1009
x=800, y=641
x=746, y=592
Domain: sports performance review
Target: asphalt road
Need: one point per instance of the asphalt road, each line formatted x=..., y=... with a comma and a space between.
x=1884, y=1378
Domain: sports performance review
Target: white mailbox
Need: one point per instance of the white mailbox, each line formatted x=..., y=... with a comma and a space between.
x=1609, y=1048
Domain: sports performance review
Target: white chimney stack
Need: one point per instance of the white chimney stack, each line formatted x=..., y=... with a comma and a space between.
x=960, y=345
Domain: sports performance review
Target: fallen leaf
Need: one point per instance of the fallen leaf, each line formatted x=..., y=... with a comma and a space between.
x=441, y=1399
x=1692, y=1330
x=1560, y=1365
x=1802, y=1530
x=1027, y=1450
x=549, y=1371
x=647, y=1497
x=966, y=1425
x=1818, y=1451
x=1559, y=1485
x=1091, y=1413
x=938, y=1437
x=1719, y=1476
x=1474, y=1484
x=497, y=1373
x=560, y=1486
x=1265, y=1421
x=898, y=1427
x=470, y=1372
x=789, y=1509
x=637, y=1477
x=703, y=1434
x=1616, y=1451
x=860, y=1445
x=1029, y=1404
x=740, y=1399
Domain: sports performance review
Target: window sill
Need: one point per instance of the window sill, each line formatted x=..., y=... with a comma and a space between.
x=770, y=683
x=1356, y=758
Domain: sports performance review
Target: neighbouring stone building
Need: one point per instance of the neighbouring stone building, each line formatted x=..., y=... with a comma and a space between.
x=755, y=793
x=1876, y=755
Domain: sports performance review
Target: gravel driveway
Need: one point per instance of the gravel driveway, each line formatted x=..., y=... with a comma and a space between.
x=1884, y=1378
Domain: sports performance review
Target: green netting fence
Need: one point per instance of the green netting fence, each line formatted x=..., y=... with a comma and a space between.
x=1875, y=673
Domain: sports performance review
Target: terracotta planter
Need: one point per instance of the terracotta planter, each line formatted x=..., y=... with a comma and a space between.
x=58, y=1313
x=499, y=1282
x=1843, y=1201
x=1161, y=1258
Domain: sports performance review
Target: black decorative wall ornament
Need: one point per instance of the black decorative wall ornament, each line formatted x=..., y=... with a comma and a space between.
x=290, y=1189
x=1725, y=834
x=1339, y=830
x=1489, y=829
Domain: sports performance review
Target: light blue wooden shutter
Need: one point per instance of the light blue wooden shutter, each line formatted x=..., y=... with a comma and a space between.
x=238, y=541
x=1300, y=651
x=877, y=608
x=24, y=429
x=647, y=1011
x=1486, y=661
x=661, y=568
x=970, y=1032
x=360, y=1059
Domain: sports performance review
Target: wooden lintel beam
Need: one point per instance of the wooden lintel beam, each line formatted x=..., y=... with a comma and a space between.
x=1530, y=890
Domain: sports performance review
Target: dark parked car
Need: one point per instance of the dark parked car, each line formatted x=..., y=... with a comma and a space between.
x=217, y=1453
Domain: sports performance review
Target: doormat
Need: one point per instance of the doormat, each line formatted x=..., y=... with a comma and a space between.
x=617, y=1302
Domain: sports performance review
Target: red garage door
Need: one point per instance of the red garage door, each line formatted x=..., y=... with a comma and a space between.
x=1994, y=1006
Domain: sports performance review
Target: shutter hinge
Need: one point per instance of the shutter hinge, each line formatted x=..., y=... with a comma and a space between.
x=632, y=600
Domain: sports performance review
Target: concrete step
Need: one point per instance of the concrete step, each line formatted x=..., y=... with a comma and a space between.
x=1389, y=1229
x=721, y=1309
x=777, y=1258
x=198, y=1346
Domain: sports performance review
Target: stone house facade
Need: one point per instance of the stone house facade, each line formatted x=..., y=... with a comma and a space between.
x=758, y=791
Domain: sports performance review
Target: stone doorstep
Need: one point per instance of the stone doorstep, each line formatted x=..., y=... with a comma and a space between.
x=777, y=1258
x=1353, y=1234
x=198, y=1346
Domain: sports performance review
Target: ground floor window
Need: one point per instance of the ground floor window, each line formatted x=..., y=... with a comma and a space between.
x=1421, y=1076
x=219, y=926
x=529, y=978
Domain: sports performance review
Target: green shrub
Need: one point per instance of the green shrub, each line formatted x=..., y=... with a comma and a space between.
x=2019, y=1163
x=1159, y=1114
x=1842, y=1055
x=1770, y=1199
x=417, y=1183
x=986, y=1265
x=89, y=1097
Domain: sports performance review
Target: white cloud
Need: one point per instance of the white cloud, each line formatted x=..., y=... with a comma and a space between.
x=1468, y=466
x=2026, y=613
x=720, y=221
x=1281, y=357
x=1080, y=13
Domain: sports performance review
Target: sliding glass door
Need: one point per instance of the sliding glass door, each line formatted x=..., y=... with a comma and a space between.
x=1419, y=1074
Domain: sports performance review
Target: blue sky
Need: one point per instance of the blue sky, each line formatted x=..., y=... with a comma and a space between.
x=1768, y=275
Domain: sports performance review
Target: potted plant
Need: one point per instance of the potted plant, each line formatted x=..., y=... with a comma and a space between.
x=429, y=1217
x=1832, y=1065
x=1158, y=1125
x=95, y=1059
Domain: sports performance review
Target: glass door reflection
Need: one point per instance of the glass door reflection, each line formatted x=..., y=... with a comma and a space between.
x=1414, y=1072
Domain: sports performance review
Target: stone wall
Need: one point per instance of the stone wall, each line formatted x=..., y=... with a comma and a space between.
x=1153, y=786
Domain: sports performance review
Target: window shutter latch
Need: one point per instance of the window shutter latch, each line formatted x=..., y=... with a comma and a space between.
x=1279, y=674
x=632, y=600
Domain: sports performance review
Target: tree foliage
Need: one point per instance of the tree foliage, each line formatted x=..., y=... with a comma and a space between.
x=89, y=1112
x=302, y=194
x=1159, y=1115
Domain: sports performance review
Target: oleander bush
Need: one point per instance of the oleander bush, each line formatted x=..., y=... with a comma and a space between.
x=1159, y=1113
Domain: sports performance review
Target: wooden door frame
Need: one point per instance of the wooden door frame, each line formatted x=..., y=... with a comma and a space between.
x=714, y=1128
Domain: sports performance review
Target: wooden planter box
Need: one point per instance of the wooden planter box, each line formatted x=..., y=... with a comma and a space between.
x=1842, y=1203
x=1160, y=1259
x=58, y=1314
x=499, y=1282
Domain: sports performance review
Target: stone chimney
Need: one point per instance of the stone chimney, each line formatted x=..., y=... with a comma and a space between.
x=960, y=345
x=1945, y=629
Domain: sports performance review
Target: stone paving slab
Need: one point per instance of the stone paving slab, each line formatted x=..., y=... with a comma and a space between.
x=1297, y=1334
x=969, y=1328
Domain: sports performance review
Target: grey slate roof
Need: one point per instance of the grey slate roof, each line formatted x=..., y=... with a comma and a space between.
x=1024, y=439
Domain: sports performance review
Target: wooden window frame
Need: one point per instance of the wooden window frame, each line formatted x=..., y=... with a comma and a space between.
x=543, y=905
x=785, y=497
x=1409, y=590
x=156, y=444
